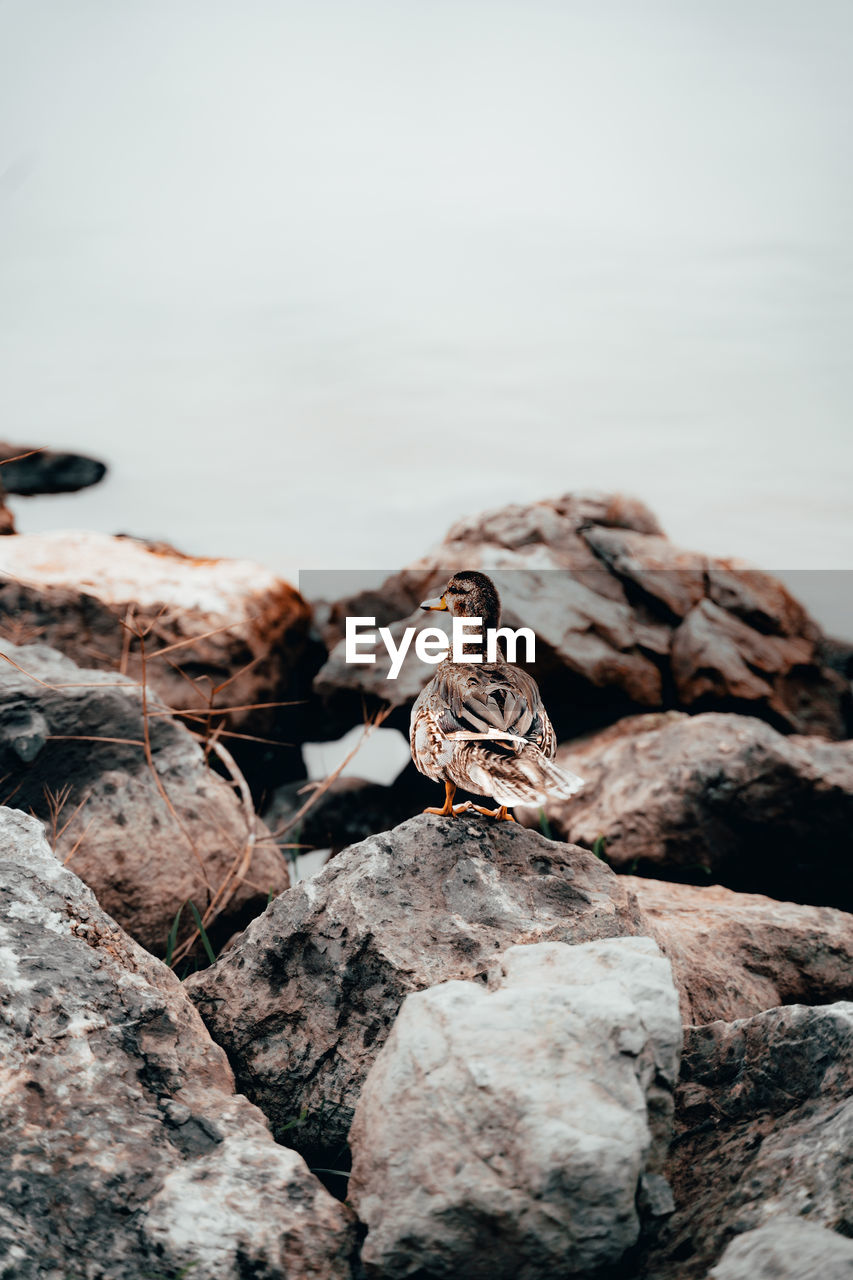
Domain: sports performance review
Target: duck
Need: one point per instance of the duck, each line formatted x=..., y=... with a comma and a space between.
x=482, y=725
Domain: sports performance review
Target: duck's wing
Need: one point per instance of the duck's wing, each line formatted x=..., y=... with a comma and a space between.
x=498, y=705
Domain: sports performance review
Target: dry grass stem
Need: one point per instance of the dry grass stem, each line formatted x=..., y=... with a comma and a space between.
x=74, y=684
x=321, y=787
x=125, y=640
x=78, y=842
x=31, y=453
x=210, y=730
x=149, y=757
x=241, y=865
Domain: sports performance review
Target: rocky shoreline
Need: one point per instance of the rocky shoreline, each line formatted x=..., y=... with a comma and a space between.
x=613, y=1041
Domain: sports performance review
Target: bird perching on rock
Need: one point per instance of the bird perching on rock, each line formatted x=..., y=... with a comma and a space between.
x=482, y=725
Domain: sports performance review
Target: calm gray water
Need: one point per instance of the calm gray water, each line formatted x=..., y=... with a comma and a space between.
x=318, y=279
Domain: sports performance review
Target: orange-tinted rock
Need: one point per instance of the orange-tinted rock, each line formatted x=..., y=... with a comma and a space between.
x=227, y=625
x=736, y=954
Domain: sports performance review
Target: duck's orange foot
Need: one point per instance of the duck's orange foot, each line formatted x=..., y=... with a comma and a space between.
x=447, y=810
x=500, y=814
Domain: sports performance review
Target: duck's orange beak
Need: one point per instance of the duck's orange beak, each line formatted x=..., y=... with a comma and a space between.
x=437, y=602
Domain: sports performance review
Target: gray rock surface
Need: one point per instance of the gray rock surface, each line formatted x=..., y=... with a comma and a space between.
x=624, y=621
x=688, y=797
x=124, y=1147
x=305, y=999
x=502, y=1133
x=787, y=1248
x=71, y=751
x=736, y=954
x=764, y=1126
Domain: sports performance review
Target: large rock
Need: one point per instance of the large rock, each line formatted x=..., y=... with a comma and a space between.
x=688, y=797
x=736, y=954
x=504, y=1133
x=125, y=1150
x=146, y=836
x=305, y=999
x=623, y=621
x=217, y=633
x=28, y=471
x=764, y=1126
x=787, y=1248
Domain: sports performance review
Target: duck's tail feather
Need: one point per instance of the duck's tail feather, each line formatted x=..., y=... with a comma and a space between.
x=561, y=783
x=525, y=778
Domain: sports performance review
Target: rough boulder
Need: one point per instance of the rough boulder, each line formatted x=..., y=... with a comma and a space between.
x=305, y=999
x=624, y=621
x=209, y=634
x=128, y=800
x=727, y=796
x=125, y=1150
x=787, y=1248
x=764, y=1126
x=505, y=1133
x=736, y=954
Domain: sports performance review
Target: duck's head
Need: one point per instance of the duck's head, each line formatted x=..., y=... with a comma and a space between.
x=469, y=594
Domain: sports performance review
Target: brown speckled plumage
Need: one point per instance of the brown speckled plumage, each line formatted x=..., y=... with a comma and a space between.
x=483, y=726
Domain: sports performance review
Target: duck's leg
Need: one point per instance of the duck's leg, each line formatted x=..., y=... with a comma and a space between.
x=501, y=814
x=447, y=810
